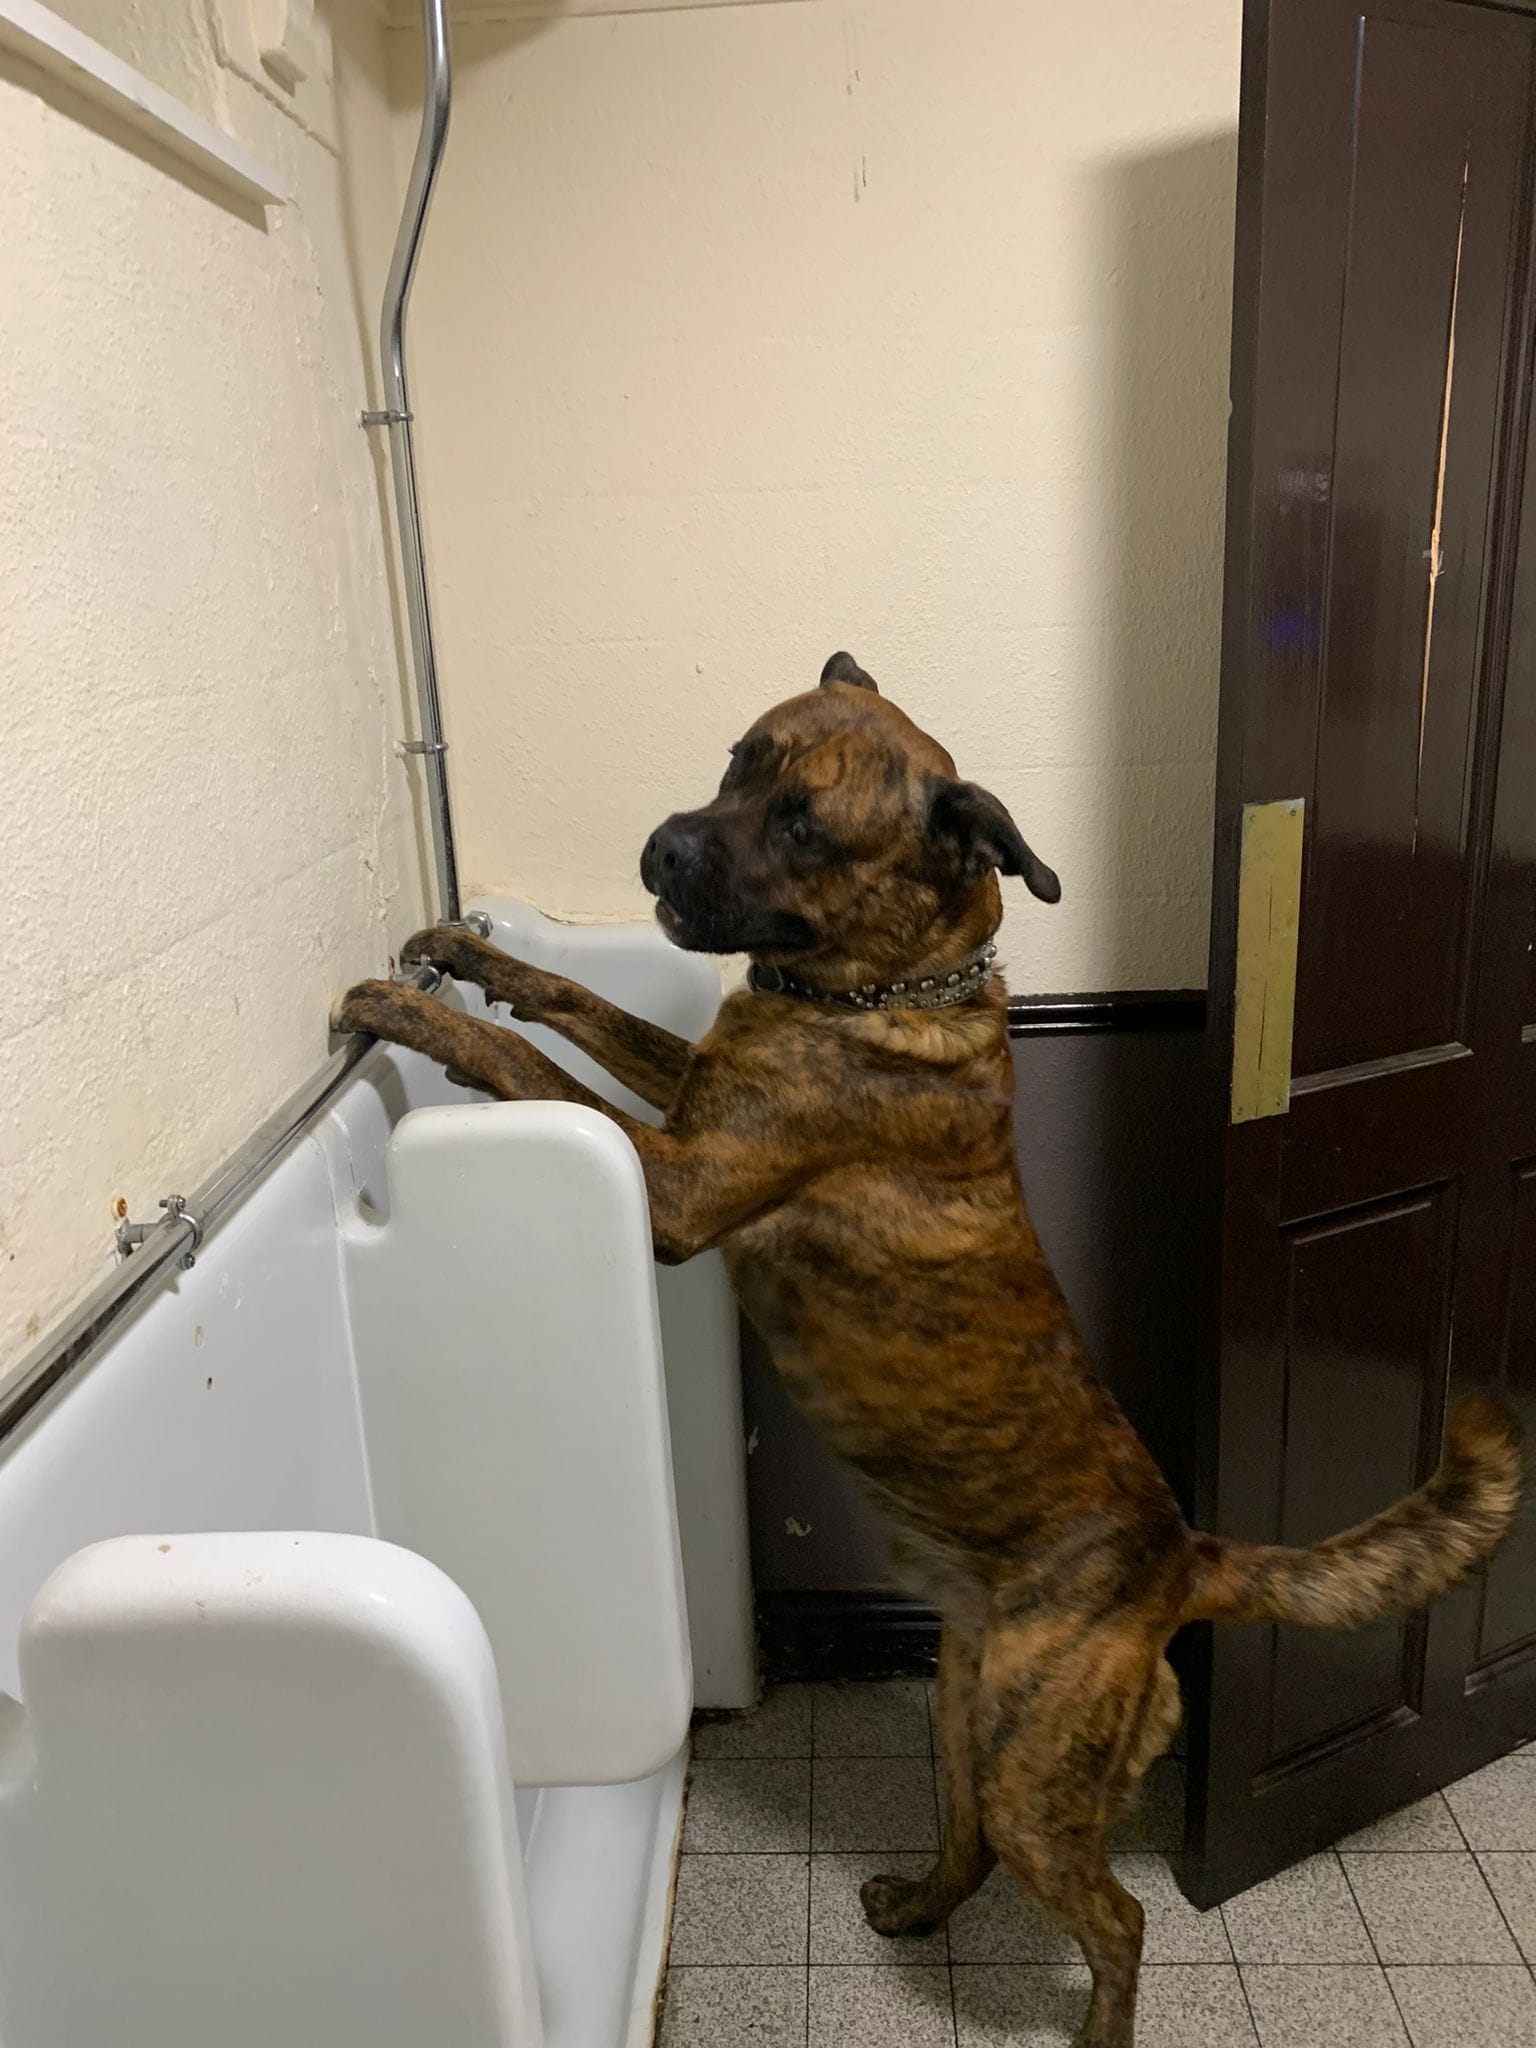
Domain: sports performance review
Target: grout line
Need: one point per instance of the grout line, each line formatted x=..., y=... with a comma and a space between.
x=1372, y=1967
x=935, y=1766
x=855, y=1848
x=1226, y=1931
x=1242, y=1985
x=1499, y=1905
x=1456, y=1823
x=810, y=1851
x=901, y=1966
x=1370, y=1935
x=1487, y=1887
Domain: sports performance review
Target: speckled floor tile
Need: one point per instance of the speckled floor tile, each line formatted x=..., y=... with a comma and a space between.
x=780, y=1727
x=1429, y=1909
x=1009, y=2006
x=1176, y=1932
x=1310, y=2006
x=1180, y=2007
x=999, y=1925
x=742, y=1807
x=734, y=2009
x=770, y=1948
x=741, y=1909
x=872, y=1720
x=1427, y=1824
x=1511, y=1876
x=873, y=1803
x=1305, y=1915
x=1496, y=1807
x=902, y=2008
x=1467, y=2008
x=1037, y=2006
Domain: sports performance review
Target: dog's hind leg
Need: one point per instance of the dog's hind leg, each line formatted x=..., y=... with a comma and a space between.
x=1061, y=1717
x=900, y=1905
x=1158, y=1725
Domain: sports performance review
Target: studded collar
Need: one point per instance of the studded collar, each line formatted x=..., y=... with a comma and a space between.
x=919, y=992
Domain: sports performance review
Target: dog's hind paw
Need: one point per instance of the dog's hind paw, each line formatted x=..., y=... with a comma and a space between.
x=896, y=1905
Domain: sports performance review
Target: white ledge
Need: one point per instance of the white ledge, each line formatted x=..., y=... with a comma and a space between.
x=37, y=34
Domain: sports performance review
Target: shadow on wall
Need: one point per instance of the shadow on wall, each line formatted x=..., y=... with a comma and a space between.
x=1103, y=1120
x=1163, y=226
x=1124, y=1208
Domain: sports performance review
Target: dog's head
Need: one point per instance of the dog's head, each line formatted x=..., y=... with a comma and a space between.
x=842, y=836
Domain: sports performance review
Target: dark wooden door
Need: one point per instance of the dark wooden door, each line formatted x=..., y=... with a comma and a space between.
x=1378, y=1234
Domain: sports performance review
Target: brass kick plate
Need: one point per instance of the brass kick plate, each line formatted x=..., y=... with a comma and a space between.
x=1268, y=920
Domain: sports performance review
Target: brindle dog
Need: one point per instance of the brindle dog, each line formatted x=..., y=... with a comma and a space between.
x=853, y=1158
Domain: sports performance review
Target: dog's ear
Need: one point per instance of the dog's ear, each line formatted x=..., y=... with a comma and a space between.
x=842, y=668
x=971, y=822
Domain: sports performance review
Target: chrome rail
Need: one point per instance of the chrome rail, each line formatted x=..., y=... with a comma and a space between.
x=162, y=1248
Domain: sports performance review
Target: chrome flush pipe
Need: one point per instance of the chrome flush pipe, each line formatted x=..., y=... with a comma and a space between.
x=395, y=415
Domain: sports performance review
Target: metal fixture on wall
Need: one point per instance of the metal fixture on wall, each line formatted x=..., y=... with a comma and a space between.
x=437, y=100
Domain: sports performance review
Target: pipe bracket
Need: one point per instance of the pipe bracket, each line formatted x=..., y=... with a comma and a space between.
x=129, y=1236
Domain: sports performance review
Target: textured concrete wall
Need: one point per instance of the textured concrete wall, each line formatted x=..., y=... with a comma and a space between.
x=747, y=332
x=204, y=829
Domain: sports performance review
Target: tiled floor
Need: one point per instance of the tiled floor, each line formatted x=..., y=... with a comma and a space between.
x=1418, y=1933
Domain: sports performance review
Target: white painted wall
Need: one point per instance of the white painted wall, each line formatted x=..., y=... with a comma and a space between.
x=750, y=331
x=204, y=832
x=744, y=331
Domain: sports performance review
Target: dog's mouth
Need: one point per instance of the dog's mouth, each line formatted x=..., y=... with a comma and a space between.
x=772, y=931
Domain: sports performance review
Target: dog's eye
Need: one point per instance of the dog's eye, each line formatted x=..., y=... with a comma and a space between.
x=799, y=830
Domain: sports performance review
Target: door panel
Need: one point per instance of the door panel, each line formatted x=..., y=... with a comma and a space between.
x=1378, y=1239
x=1363, y=1384
x=1380, y=955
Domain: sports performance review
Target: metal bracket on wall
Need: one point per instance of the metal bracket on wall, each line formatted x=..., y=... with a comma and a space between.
x=384, y=416
x=129, y=1236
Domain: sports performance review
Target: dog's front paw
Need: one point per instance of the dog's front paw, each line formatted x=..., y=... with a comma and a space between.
x=450, y=948
x=896, y=1905
x=454, y=950
x=375, y=1007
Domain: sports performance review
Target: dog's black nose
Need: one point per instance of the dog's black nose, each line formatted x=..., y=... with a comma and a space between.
x=671, y=850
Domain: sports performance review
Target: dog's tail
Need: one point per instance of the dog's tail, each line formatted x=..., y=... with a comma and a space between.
x=1397, y=1561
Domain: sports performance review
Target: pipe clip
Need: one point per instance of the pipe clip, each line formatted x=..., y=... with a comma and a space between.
x=129, y=1236
x=385, y=416
x=423, y=746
